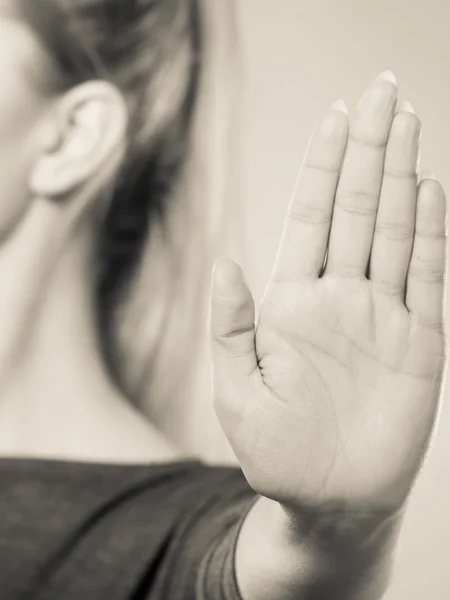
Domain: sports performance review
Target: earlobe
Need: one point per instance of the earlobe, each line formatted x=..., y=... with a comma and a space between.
x=91, y=123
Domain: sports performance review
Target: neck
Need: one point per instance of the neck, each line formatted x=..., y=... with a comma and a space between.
x=57, y=398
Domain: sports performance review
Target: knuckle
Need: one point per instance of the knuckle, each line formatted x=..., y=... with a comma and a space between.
x=407, y=173
x=370, y=137
x=434, y=230
x=357, y=203
x=397, y=232
x=324, y=169
x=342, y=270
x=430, y=271
x=436, y=325
x=386, y=287
x=309, y=214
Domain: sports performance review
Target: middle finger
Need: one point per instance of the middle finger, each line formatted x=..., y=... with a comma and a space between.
x=358, y=192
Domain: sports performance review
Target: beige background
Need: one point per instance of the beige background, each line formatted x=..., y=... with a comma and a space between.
x=298, y=57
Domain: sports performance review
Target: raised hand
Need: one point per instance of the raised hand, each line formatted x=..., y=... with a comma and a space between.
x=332, y=399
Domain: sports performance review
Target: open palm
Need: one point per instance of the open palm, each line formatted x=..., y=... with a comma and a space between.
x=333, y=398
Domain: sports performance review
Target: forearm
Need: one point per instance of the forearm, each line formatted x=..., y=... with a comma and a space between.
x=333, y=556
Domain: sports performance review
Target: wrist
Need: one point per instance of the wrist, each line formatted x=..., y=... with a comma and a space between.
x=347, y=542
x=314, y=553
x=340, y=526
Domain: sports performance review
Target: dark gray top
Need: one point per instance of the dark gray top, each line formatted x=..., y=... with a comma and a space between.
x=80, y=531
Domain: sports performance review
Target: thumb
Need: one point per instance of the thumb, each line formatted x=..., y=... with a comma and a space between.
x=232, y=322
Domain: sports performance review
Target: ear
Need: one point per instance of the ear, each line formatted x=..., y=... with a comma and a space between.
x=88, y=128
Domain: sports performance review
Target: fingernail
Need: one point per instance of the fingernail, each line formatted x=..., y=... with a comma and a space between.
x=405, y=106
x=340, y=106
x=427, y=174
x=387, y=76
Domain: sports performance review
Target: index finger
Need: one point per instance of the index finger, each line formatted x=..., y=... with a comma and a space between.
x=306, y=229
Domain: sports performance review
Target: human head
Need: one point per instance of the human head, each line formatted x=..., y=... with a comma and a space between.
x=114, y=83
x=150, y=51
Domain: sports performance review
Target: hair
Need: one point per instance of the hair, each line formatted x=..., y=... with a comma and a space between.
x=153, y=250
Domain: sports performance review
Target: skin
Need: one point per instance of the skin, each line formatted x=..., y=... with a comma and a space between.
x=54, y=388
x=312, y=401
x=331, y=401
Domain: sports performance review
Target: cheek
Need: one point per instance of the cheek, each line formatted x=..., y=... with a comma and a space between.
x=21, y=108
x=15, y=165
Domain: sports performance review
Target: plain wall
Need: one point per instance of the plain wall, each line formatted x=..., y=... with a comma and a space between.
x=298, y=57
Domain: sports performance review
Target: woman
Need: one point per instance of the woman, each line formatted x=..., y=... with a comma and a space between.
x=329, y=405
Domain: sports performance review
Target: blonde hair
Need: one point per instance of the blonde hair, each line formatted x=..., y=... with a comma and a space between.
x=165, y=353
x=165, y=217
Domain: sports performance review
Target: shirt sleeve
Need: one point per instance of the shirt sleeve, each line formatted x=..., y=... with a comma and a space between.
x=199, y=560
x=217, y=578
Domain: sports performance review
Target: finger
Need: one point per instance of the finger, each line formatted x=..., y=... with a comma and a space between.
x=427, y=269
x=394, y=229
x=232, y=323
x=307, y=225
x=360, y=182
